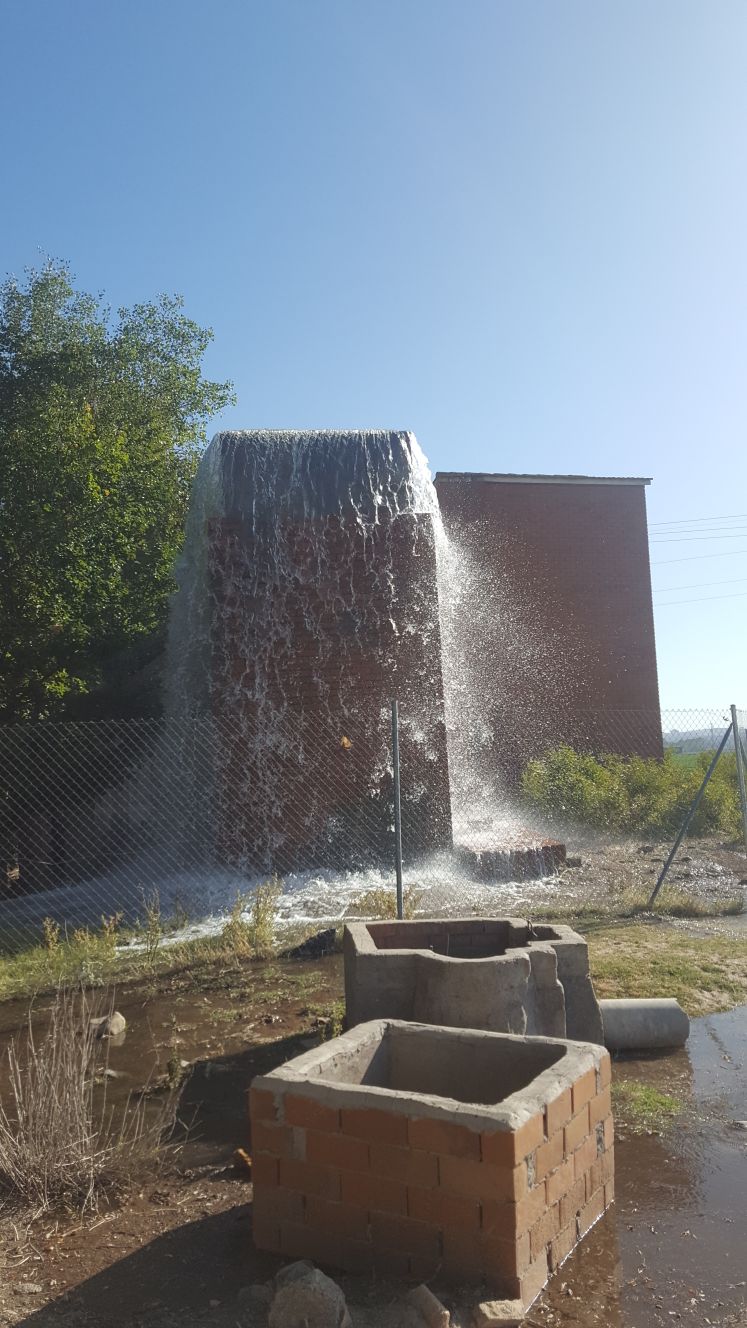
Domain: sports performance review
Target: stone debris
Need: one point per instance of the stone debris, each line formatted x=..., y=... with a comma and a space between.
x=290, y=1272
x=499, y=1314
x=109, y=1025
x=429, y=1307
x=307, y=1298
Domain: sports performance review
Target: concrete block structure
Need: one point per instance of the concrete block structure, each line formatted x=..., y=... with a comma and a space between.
x=499, y=974
x=417, y=1150
x=566, y=649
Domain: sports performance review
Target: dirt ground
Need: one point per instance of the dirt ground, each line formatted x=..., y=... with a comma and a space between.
x=604, y=873
x=179, y=1249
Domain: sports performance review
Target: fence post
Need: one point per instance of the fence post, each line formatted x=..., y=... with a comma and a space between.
x=740, y=772
x=690, y=813
x=397, y=809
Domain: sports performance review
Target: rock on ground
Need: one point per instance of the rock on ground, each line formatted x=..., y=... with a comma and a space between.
x=308, y=1300
x=429, y=1307
x=499, y=1314
x=109, y=1025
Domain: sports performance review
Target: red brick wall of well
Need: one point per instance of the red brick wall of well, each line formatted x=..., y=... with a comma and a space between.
x=378, y=1190
x=569, y=653
x=311, y=661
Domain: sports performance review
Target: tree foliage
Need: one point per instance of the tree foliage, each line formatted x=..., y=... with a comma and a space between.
x=101, y=422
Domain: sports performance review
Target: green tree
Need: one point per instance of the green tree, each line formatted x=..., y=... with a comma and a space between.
x=101, y=423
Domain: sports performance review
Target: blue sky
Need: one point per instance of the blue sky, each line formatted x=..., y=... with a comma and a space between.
x=517, y=227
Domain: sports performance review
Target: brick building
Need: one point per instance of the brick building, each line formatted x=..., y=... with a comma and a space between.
x=565, y=650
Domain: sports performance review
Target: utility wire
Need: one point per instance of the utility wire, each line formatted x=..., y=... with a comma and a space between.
x=686, y=539
x=691, y=520
x=714, y=532
x=705, y=599
x=699, y=585
x=697, y=557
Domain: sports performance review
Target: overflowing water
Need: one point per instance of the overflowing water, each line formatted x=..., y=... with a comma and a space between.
x=291, y=500
x=309, y=596
x=308, y=600
x=317, y=583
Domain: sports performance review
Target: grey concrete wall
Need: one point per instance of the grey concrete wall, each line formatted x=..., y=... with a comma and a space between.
x=537, y=982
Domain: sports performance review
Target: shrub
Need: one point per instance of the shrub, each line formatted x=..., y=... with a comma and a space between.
x=61, y=1143
x=632, y=793
x=382, y=903
x=250, y=929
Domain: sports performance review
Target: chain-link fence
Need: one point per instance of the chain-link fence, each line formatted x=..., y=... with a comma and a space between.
x=99, y=819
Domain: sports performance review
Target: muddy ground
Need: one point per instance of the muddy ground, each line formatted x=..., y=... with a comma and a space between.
x=673, y=1249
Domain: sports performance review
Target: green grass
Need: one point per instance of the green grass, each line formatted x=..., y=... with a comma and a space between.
x=704, y=975
x=642, y=1107
x=629, y=957
x=689, y=760
x=96, y=958
x=631, y=904
x=330, y=1018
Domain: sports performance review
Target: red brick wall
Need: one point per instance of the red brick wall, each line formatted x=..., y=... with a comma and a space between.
x=313, y=657
x=369, y=1189
x=566, y=591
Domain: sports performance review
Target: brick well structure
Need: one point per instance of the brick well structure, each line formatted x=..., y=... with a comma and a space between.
x=363, y=1160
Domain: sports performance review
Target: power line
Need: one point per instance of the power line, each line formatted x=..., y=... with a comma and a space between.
x=705, y=599
x=698, y=585
x=697, y=557
x=686, y=539
x=714, y=532
x=691, y=520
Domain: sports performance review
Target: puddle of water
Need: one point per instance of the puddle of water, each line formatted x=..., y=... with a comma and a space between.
x=225, y=1037
x=673, y=1249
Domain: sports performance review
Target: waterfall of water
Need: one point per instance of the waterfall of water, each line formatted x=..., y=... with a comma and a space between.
x=307, y=600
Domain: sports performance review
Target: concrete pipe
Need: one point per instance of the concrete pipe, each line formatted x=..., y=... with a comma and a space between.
x=644, y=1025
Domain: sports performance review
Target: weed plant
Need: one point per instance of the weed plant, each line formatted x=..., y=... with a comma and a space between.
x=62, y=1145
x=250, y=931
x=381, y=902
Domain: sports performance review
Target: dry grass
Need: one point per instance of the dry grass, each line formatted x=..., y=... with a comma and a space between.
x=62, y=1144
x=382, y=903
x=674, y=902
x=251, y=927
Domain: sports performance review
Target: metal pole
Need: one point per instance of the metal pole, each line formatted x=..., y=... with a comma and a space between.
x=397, y=810
x=691, y=812
x=740, y=772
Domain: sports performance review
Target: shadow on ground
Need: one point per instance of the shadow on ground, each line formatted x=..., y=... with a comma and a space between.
x=176, y=1274
x=172, y=1278
x=215, y=1100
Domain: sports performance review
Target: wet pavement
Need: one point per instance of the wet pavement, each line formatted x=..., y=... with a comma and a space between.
x=673, y=1249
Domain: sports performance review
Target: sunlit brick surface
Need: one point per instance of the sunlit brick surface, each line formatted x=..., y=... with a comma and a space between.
x=402, y=1188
